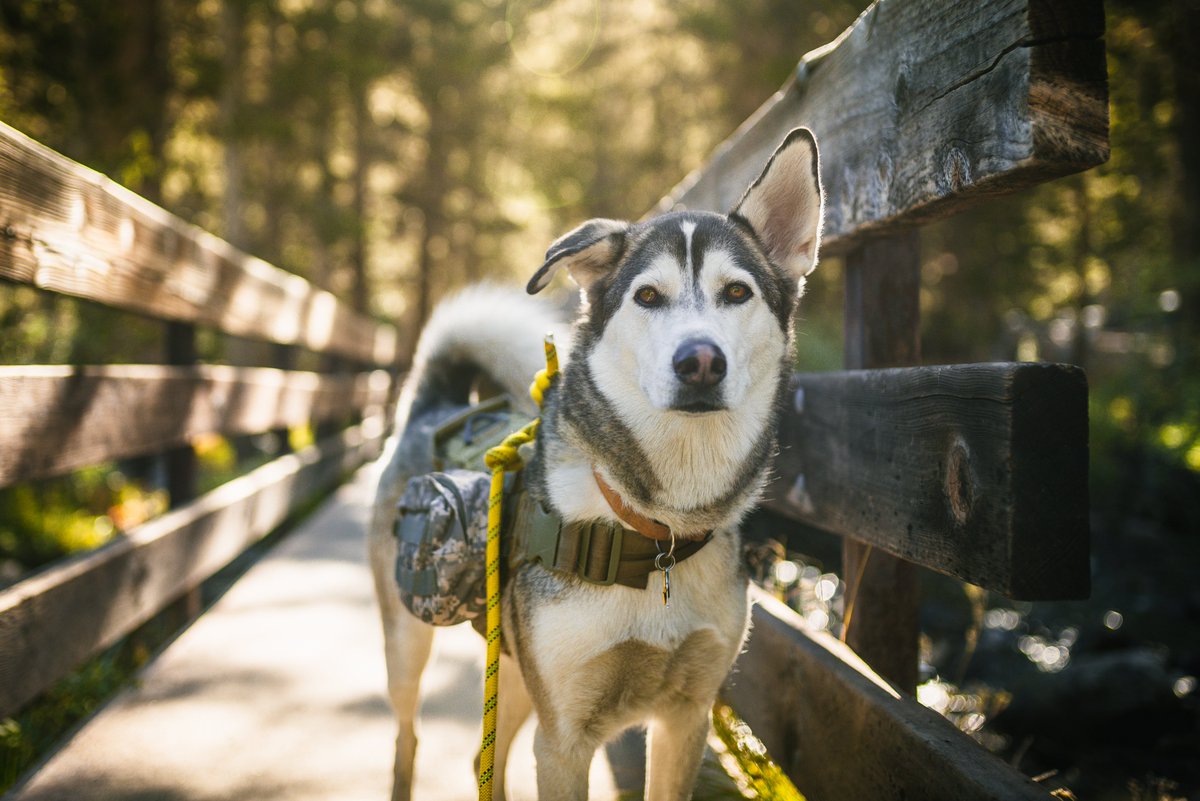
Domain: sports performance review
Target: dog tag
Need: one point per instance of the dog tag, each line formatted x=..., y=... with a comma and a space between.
x=664, y=562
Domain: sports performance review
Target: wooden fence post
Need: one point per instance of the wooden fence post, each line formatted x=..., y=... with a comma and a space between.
x=182, y=466
x=882, y=329
x=180, y=461
x=283, y=357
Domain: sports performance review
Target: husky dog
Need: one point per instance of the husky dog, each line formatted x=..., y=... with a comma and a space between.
x=663, y=421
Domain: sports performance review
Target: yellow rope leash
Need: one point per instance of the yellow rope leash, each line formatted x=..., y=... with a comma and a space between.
x=501, y=459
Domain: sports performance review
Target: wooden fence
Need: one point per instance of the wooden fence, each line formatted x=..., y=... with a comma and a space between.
x=69, y=230
x=922, y=108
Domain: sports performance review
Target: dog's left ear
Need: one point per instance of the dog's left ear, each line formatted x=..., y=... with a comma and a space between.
x=589, y=252
x=785, y=205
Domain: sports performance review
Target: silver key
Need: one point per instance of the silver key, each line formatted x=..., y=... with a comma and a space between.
x=664, y=562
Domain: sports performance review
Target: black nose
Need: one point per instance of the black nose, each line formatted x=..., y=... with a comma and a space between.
x=699, y=362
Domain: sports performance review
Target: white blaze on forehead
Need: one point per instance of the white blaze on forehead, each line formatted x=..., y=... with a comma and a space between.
x=688, y=229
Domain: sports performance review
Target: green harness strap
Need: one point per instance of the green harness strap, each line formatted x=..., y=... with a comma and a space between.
x=599, y=552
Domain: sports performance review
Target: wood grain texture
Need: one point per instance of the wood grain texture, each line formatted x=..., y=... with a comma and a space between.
x=842, y=732
x=53, y=621
x=977, y=471
x=882, y=325
x=924, y=107
x=68, y=229
x=55, y=419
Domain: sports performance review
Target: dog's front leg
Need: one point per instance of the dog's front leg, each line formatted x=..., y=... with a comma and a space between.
x=675, y=750
x=562, y=765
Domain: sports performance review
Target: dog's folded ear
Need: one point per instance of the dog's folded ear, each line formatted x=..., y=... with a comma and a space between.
x=785, y=205
x=589, y=252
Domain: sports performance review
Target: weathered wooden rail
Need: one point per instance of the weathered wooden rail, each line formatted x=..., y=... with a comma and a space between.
x=69, y=230
x=922, y=108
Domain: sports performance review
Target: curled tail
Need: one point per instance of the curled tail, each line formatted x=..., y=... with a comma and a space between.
x=482, y=331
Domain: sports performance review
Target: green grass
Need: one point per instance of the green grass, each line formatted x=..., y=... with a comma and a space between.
x=745, y=759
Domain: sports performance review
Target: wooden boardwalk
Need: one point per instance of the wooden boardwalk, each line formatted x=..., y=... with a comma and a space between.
x=277, y=692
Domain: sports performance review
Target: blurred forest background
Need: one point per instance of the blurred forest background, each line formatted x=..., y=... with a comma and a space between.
x=390, y=151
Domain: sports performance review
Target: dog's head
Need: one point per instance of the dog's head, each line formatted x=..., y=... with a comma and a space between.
x=693, y=309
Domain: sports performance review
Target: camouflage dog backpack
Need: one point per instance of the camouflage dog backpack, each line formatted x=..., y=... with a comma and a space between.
x=442, y=535
x=441, y=528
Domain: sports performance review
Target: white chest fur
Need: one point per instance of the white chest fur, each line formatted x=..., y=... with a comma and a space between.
x=606, y=658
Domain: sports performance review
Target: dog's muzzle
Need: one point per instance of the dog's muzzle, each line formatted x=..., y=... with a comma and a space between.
x=700, y=366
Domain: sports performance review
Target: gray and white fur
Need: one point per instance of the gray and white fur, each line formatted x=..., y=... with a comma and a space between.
x=672, y=392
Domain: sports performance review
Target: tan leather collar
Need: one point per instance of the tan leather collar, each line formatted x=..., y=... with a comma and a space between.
x=635, y=520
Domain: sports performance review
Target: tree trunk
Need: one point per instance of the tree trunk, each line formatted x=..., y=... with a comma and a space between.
x=229, y=106
x=360, y=287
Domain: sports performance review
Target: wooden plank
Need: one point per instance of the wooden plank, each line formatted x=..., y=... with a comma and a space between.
x=924, y=107
x=69, y=229
x=978, y=471
x=840, y=731
x=54, y=419
x=882, y=325
x=51, y=622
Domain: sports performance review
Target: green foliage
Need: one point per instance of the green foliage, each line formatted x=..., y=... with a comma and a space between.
x=46, y=520
x=747, y=760
x=40, y=328
x=89, y=79
x=392, y=152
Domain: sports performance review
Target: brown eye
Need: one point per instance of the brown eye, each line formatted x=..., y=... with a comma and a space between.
x=737, y=292
x=648, y=296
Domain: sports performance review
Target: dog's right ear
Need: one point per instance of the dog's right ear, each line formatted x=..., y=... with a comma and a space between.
x=785, y=206
x=589, y=253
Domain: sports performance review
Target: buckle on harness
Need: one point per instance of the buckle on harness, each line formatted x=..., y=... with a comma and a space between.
x=614, y=554
x=542, y=530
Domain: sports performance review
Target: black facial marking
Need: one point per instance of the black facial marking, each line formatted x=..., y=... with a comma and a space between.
x=641, y=248
x=677, y=244
x=664, y=235
x=776, y=287
x=701, y=238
